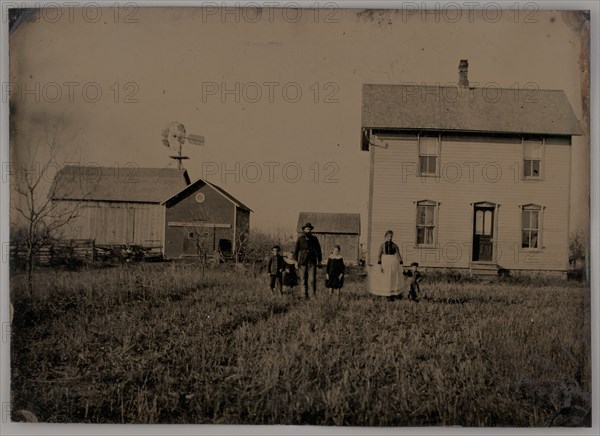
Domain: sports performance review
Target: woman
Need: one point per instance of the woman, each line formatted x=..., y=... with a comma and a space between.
x=387, y=279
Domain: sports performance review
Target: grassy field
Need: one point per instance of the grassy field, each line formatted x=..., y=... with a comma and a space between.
x=160, y=343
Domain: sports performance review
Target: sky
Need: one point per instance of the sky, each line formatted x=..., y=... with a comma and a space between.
x=276, y=95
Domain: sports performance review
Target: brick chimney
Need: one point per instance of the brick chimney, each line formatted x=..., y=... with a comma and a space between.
x=463, y=71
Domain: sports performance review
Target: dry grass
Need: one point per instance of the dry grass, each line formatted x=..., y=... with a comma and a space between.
x=159, y=343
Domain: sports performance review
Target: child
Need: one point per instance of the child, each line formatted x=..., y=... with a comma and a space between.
x=414, y=282
x=334, y=278
x=275, y=268
x=290, y=275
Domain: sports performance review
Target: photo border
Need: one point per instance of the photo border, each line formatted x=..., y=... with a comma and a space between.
x=189, y=429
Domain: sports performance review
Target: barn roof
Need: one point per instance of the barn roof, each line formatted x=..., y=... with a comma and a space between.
x=330, y=222
x=124, y=184
x=451, y=108
x=198, y=184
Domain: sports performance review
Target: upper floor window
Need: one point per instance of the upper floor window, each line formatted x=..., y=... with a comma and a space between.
x=429, y=151
x=533, y=150
x=426, y=222
x=531, y=226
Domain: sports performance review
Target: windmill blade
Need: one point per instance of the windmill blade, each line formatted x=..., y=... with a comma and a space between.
x=165, y=137
x=174, y=136
x=195, y=139
x=178, y=132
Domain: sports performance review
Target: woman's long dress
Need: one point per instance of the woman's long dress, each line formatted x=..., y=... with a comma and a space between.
x=391, y=281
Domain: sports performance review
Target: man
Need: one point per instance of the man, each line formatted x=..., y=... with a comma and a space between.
x=308, y=255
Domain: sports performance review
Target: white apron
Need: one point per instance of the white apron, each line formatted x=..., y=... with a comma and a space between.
x=391, y=281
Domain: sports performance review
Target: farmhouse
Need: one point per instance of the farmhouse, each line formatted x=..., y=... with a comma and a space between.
x=332, y=229
x=150, y=207
x=468, y=178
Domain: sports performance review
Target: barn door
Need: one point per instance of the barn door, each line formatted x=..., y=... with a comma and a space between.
x=483, y=233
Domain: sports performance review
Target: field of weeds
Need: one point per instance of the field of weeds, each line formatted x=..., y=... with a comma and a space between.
x=162, y=343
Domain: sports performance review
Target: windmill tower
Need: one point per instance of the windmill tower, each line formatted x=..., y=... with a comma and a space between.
x=174, y=136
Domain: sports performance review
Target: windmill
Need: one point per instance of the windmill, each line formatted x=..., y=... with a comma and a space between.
x=174, y=136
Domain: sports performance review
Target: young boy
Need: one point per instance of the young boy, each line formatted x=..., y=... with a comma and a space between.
x=275, y=268
x=414, y=283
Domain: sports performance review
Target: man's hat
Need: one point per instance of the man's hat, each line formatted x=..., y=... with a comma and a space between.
x=309, y=225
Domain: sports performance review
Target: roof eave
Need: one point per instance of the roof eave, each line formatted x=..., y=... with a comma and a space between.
x=575, y=132
x=228, y=196
x=105, y=200
x=182, y=191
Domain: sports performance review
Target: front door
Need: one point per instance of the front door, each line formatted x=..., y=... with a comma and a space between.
x=483, y=233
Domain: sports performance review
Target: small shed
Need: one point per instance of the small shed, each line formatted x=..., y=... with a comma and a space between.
x=332, y=229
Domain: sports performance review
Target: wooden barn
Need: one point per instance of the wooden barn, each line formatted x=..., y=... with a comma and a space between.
x=150, y=207
x=467, y=178
x=332, y=229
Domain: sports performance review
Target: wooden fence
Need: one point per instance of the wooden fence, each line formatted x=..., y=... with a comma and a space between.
x=82, y=251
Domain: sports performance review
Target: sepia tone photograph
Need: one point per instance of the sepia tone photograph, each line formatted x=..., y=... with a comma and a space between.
x=298, y=214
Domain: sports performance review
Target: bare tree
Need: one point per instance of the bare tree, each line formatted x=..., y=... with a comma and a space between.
x=577, y=245
x=253, y=249
x=38, y=219
x=201, y=232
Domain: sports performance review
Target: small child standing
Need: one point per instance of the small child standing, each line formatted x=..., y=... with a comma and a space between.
x=275, y=268
x=290, y=275
x=415, y=275
x=334, y=279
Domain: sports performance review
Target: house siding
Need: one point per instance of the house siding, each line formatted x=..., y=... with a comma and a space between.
x=115, y=223
x=215, y=209
x=472, y=170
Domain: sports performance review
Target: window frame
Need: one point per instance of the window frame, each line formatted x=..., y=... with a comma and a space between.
x=438, y=138
x=542, y=141
x=540, y=228
x=434, y=237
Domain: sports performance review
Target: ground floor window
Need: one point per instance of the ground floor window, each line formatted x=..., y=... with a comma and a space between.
x=531, y=228
x=426, y=222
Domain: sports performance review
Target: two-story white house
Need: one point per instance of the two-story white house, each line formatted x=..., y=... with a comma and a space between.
x=470, y=178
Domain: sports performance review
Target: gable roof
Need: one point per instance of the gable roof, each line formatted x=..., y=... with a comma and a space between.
x=198, y=184
x=139, y=185
x=468, y=109
x=330, y=222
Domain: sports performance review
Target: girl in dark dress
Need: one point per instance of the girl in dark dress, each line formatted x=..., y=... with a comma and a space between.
x=335, y=271
x=290, y=275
